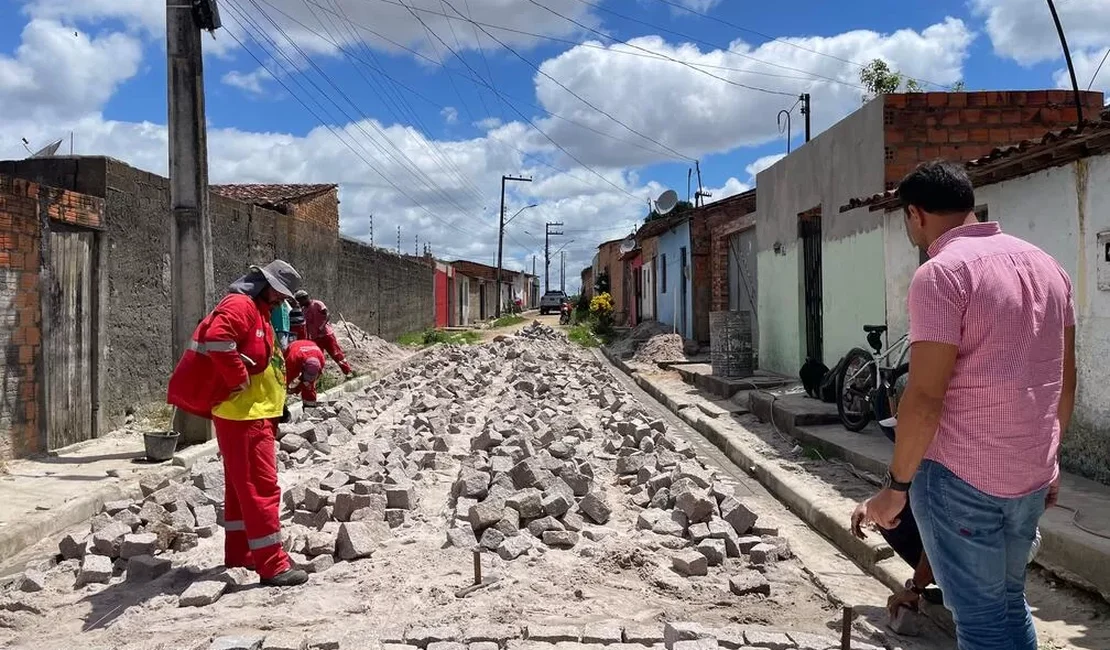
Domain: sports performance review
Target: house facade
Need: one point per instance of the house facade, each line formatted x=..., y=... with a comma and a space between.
x=822, y=271
x=675, y=292
x=1054, y=193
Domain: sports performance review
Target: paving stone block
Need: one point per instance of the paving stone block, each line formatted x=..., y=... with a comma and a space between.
x=595, y=507
x=697, y=505
x=542, y=525
x=447, y=645
x=676, y=631
x=251, y=642
x=138, y=544
x=696, y=644
x=72, y=547
x=738, y=515
x=766, y=638
x=748, y=584
x=646, y=634
x=461, y=537
x=95, y=569
x=32, y=581
x=324, y=641
x=360, y=539
x=560, y=538
x=805, y=641
x=690, y=563
x=483, y=645
x=144, y=568
x=713, y=550
x=605, y=633
x=514, y=547
x=528, y=502
x=491, y=632
x=553, y=633
x=424, y=636
x=279, y=640
x=731, y=637
x=202, y=593
x=107, y=540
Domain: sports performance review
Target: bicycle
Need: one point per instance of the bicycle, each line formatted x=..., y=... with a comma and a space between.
x=863, y=383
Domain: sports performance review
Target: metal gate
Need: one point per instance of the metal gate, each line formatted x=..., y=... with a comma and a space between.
x=809, y=229
x=69, y=352
x=743, y=285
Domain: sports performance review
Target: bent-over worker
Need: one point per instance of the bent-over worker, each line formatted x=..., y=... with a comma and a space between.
x=319, y=329
x=233, y=373
x=304, y=361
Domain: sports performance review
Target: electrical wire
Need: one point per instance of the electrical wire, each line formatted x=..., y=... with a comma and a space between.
x=329, y=127
x=1098, y=69
x=547, y=76
x=720, y=47
x=775, y=39
x=668, y=58
x=411, y=166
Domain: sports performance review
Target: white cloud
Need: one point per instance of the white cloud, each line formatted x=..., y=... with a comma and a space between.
x=60, y=73
x=1085, y=65
x=697, y=115
x=450, y=114
x=759, y=164
x=488, y=124
x=732, y=187
x=251, y=82
x=1023, y=30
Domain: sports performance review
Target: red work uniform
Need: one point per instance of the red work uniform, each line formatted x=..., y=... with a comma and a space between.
x=302, y=356
x=244, y=399
x=320, y=331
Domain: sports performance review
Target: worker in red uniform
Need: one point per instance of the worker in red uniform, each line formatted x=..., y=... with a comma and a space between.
x=234, y=374
x=319, y=329
x=304, y=360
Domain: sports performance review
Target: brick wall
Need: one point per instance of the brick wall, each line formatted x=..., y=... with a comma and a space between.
x=344, y=274
x=321, y=210
x=26, y=209
x=964, y=126
x=725, y=218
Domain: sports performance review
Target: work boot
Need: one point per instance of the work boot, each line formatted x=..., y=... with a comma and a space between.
x=288, y=578
x=308, y=405
x=345, y=367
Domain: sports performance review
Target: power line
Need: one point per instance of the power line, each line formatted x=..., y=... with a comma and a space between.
x=576, y=95
x=668, y=58
x=720, y=47
x=329, y=127
x=1098, y=69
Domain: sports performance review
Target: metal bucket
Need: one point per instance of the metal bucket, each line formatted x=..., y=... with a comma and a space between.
x=161, y=445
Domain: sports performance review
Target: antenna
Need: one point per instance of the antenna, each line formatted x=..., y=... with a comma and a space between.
x=666, y=202
x=48, y=151
x=628, y=245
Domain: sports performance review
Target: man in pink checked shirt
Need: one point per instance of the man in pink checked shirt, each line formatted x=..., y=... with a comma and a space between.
x=991, y=388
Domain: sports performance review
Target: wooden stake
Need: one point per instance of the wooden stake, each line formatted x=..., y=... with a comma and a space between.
x=477, y=567
x=846, y=630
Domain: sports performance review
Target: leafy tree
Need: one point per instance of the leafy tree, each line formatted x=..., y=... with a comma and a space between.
x=679, y=208
x=879, y=79
x=959, y=86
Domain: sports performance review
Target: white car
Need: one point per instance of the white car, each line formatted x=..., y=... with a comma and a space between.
x=552, y=301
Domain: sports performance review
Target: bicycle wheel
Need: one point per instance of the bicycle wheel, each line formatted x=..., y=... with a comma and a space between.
x=853, y=398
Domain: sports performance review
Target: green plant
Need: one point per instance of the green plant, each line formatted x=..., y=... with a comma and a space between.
x=583, y=335
x=601, y=311
x=879, y=79
x=508, y=320
x=326, y=382
x=434, y=336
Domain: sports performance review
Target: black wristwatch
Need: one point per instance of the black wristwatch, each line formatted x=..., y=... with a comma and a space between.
x=895, y=484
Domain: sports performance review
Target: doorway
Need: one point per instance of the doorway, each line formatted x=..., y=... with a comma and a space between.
x=809, y=230
x=682, y=279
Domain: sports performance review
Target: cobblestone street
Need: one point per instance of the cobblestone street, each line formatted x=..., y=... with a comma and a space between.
x=596, y=520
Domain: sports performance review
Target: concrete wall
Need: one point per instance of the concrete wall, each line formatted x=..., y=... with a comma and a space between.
x=844, y=162
x=853, y=283
x=902, y=260
x=1062, y=210
x=381, y=292
x=669, y=303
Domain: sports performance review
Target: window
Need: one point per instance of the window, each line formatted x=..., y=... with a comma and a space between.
x=663, y=272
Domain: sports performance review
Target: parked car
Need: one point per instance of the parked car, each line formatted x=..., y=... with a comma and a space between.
x=552, y=302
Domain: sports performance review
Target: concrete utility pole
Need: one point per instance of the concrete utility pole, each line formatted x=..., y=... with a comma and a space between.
x=805, y=111
x=191, y=278
x=547, y=253
x=562, y=271
x=501, y=235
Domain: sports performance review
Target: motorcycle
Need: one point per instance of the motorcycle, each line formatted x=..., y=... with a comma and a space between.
x=564, y=314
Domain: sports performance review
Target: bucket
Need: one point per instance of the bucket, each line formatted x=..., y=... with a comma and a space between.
x=160, y=445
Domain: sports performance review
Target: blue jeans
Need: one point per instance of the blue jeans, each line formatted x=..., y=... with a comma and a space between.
x=978, y=546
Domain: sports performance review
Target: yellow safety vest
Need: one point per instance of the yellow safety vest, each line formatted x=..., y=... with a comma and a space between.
x=263, y=398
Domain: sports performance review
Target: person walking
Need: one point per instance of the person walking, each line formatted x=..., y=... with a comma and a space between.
x=991, y=390
x=233, y=373
x=304, y=361
x=318, y=329
x=279, y=319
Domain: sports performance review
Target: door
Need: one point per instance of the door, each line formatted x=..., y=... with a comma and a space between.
x=743, y=285
x=810, y=231
x=482, y=301
x=683, y=292
x=69, y=351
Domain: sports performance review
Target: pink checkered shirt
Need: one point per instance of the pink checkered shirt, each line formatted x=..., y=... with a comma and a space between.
x=1004, y=303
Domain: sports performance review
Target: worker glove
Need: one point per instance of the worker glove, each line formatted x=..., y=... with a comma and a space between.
x=284, y=415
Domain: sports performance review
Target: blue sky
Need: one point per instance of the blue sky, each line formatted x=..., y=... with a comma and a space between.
x=424, y=142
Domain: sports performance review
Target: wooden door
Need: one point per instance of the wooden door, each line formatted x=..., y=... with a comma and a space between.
x=810, y=231
x=68, y=346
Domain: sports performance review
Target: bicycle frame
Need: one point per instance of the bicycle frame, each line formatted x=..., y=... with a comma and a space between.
x=902, y=346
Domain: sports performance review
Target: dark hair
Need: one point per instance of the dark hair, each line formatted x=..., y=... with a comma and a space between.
x=939, y=187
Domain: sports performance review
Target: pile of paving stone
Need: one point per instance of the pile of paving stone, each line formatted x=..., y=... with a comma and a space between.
x=537, y=331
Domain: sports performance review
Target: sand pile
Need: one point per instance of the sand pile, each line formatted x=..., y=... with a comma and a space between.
x=636, y=337
x=661, y=347
x=364, y=351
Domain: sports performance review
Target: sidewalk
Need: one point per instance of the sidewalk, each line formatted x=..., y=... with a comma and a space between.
x=42, y=497
x=804, y=462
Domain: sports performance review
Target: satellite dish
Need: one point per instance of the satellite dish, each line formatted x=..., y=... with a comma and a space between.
x=666, y=202
x=47, y=151
x=628, y=245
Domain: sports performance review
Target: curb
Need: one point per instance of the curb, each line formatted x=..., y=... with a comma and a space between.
x=872, y=554
x=39, y=526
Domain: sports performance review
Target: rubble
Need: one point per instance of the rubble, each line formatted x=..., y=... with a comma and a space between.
x=204, y=592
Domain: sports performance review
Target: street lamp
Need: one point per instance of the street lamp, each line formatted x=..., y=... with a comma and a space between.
x=518, y=213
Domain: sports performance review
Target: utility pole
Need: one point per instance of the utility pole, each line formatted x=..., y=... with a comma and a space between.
x=805, y=111
x=700, y=194
x=416, y=246
x=501, y=235
x=398, y=240
x=562, y=271
x=193, y=287
x=371, y=231
x=547, y=252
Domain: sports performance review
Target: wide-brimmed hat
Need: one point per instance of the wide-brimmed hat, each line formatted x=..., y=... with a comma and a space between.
x=281, y=275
